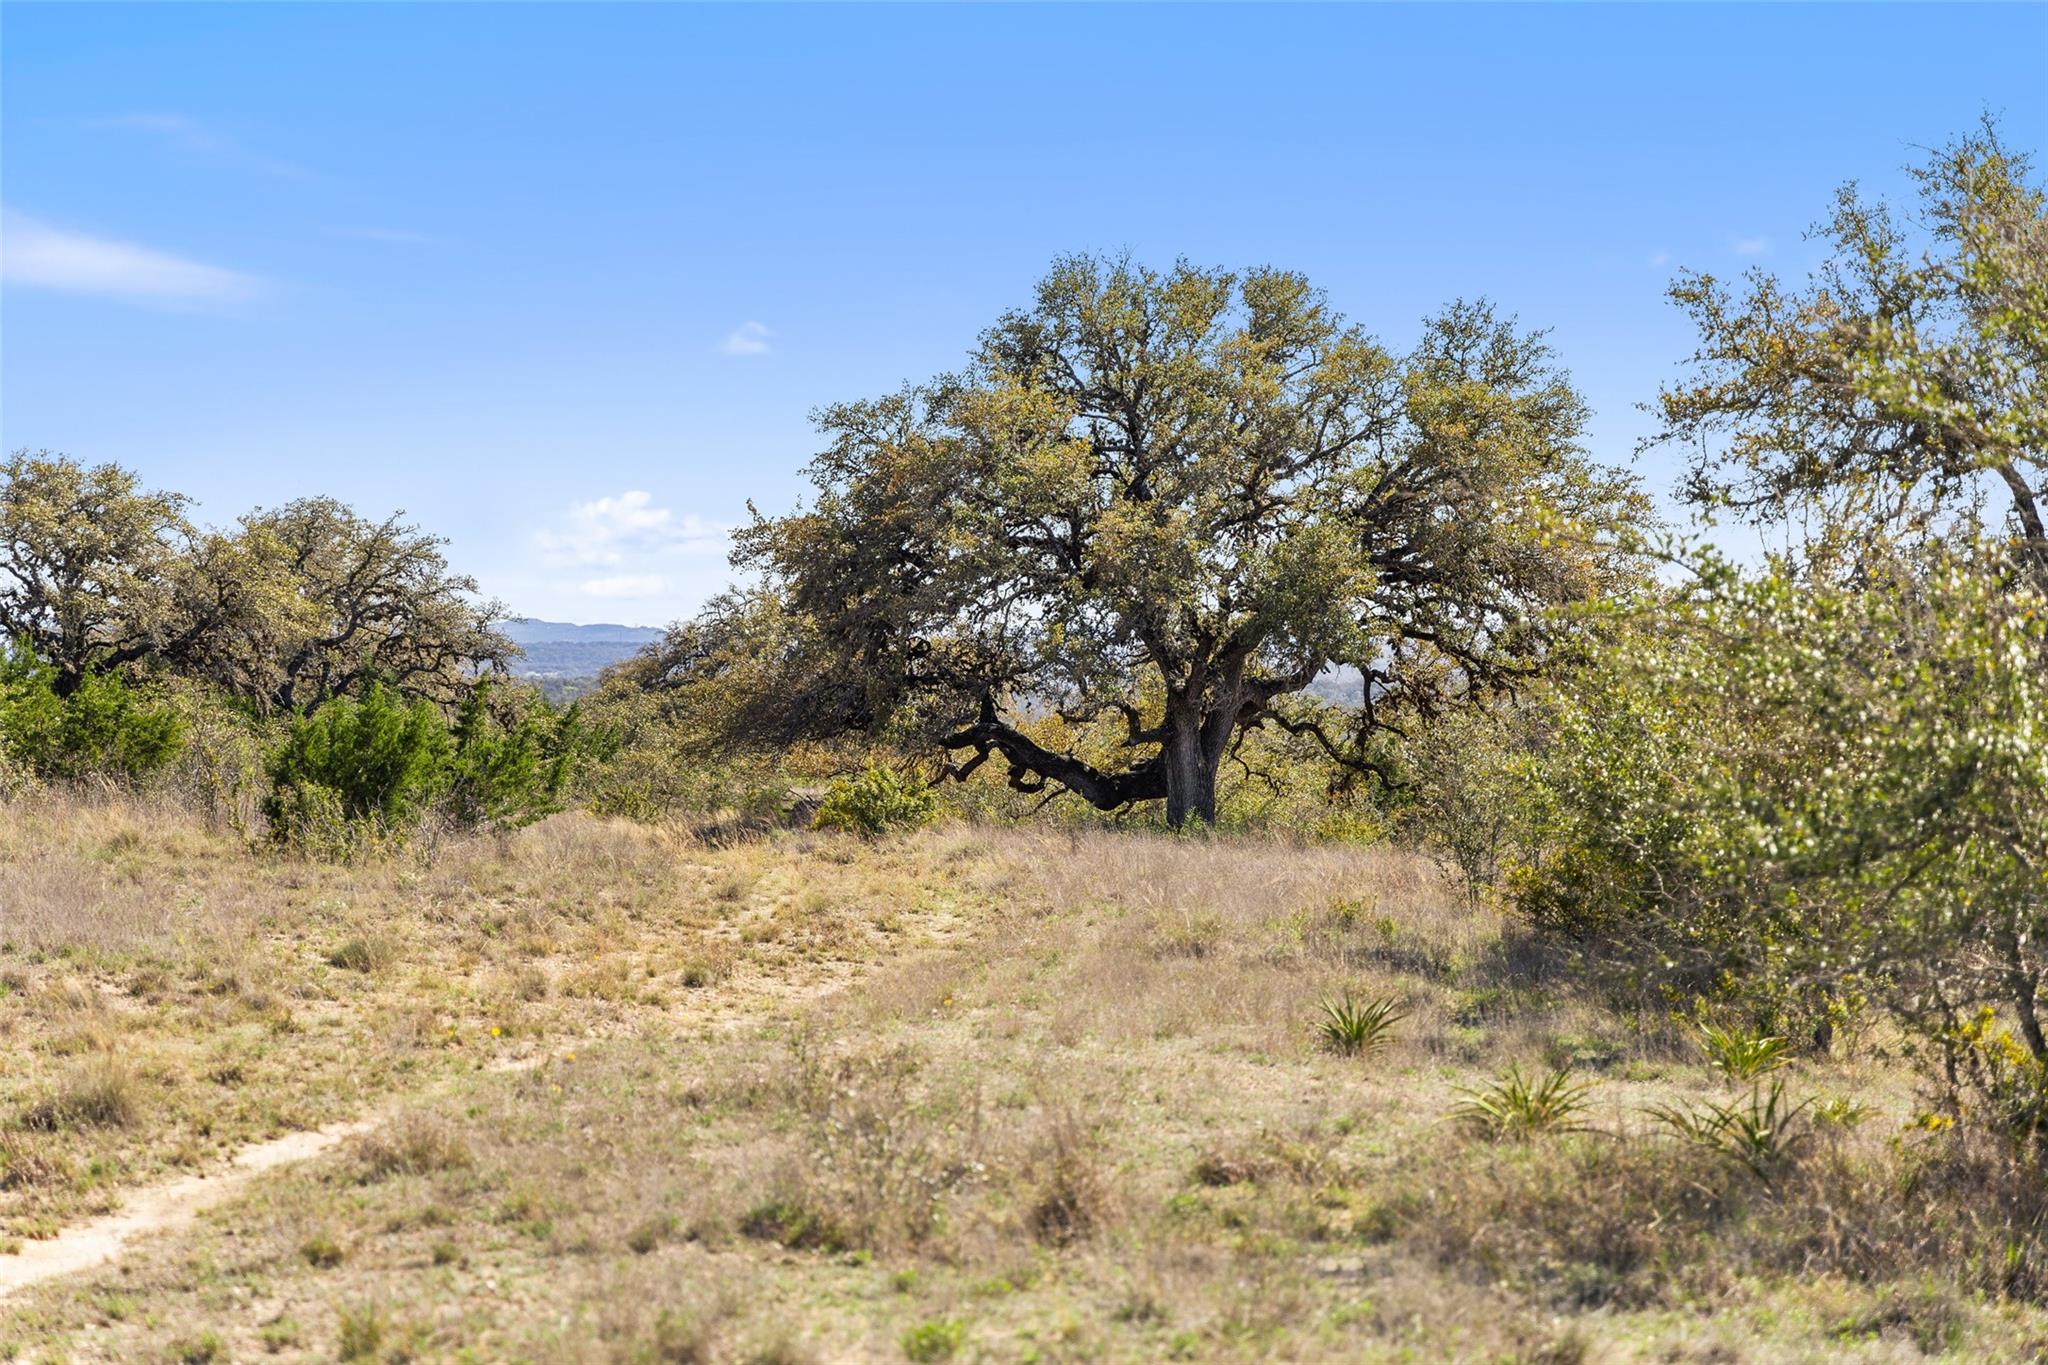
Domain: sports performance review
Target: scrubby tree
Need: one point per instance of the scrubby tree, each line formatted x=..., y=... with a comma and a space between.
x=292, y=606
x=103, y=727
x=1196, y=486
x=1906, y=387
x=317, y=600
x=89, y=564
x=1797, y=797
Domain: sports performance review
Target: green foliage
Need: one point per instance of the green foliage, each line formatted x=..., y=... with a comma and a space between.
x=385, y=759
x=510, y=770
x=104, y=726
x=1906, y=383
x=936, y=1340
x=293, y=605
x=1463, y=787
x=1357, y=1028
x=1167, y=499
x=355, y=770
x=1792, y=796
x=89, y=564
x=1762, y=1132
x=875, y=801
x=1743, y=1056
x=1512, y=1107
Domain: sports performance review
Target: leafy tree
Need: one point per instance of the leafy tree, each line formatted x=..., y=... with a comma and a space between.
x=1199, y=486
x=312, y=601
x=88, y=565
x=1804, y=795
x=1904, y=385
x=293, y=606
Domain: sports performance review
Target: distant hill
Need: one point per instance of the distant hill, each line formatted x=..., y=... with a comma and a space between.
x=524, y=630
x=565, y=650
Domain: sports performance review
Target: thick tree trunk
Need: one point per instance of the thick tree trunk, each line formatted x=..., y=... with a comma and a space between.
x=1190, y=776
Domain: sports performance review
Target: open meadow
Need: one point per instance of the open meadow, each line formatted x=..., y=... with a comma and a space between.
x=647, y=1094
x=1004, y=684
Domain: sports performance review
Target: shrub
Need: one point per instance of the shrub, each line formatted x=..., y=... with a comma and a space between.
x=361, y=1332
x=1743, y=1056
x=512, y=769
x=1073, y=1198
x=933, y=1341
x=415, y=1144
x=105, y=727
x=100, y=1094
x=1513, y=1107
x=873, y=802
x=1762, y=1133
x=322, y=1252
x=1355, y=1028
x=1796, y=795
x=383, y=758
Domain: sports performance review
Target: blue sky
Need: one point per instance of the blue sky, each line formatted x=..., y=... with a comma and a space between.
x=564, y=282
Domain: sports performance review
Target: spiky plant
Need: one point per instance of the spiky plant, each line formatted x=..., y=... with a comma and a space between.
x=1513, y=1106
x=1357, y=1028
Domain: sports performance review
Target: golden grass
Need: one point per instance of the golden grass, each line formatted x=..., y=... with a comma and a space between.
x=1013, y=1095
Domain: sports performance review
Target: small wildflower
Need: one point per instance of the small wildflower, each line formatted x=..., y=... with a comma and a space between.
x=497, y=1032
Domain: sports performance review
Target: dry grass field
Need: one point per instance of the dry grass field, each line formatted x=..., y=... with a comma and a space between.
x=973, y=1094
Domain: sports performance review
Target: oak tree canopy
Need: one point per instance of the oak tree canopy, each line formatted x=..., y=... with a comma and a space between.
x=1170, y=500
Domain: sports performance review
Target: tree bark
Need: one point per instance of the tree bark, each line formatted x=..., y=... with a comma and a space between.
x=1190, y=774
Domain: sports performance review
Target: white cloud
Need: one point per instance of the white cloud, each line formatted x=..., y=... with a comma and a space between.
x=196, y=139
x=631, y=585
x=749, y=338
x=1752, y=246
x=1660, y=259
x=36, y=254
x=629, y=533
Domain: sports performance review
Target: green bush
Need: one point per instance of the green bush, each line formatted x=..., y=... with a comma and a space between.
x=512, y=769
x=356, y=770
x=1801, y=797
x=105, y=727
x=873, y=802
x=385, y=759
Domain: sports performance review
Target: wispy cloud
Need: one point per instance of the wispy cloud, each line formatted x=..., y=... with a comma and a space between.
x=192, y=138
x=1752, y=246
x=35, y=254
x=396, y=236
x=630, y=586
x=749, y=338
x=1659, y=259
x=628, y=532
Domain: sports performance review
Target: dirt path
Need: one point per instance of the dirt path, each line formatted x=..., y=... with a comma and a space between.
x=174, y=1204
x=157, y=1208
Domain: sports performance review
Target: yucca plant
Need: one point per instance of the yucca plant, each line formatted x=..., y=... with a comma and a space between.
x=1841, y=1111
x=1357, y=1028
x=1743, y=1056
x=1513, y=1106
x=1762, y=1133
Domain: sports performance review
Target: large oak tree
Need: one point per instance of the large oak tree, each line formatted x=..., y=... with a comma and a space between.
x=1172, y=500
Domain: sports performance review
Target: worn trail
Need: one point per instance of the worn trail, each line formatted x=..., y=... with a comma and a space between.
x=157, y=1208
